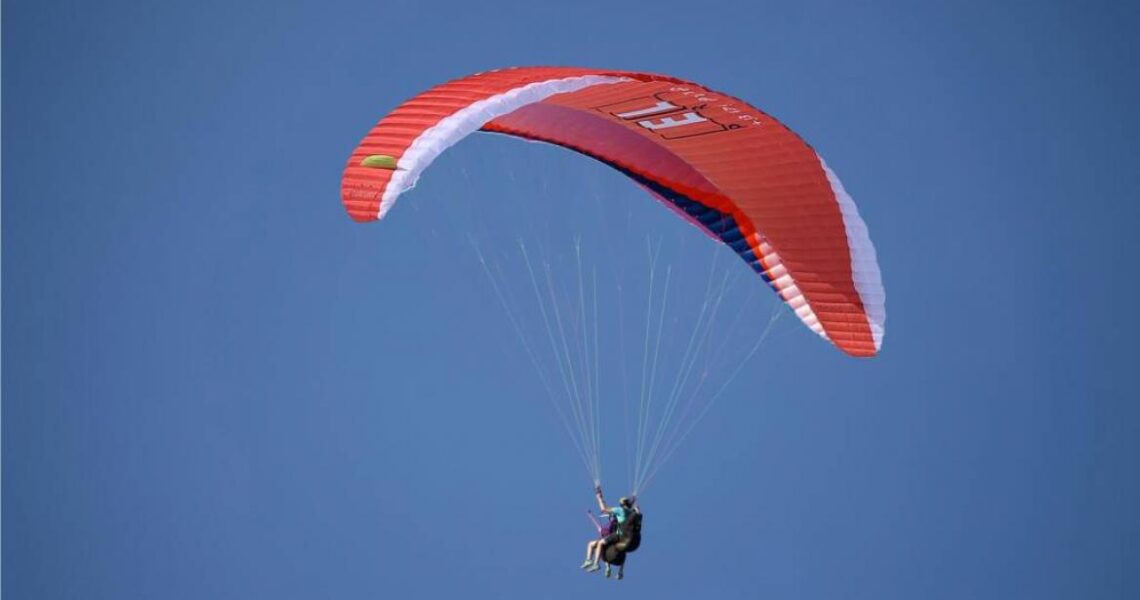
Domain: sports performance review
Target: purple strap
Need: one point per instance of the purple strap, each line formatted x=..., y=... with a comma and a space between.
x=603, y=530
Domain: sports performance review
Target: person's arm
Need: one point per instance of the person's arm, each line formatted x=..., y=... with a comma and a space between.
x=601, y=502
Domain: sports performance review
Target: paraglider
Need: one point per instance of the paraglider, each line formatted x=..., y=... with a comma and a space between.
x=729, y=169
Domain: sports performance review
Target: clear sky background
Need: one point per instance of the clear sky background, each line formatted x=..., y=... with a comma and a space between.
x=215, y=385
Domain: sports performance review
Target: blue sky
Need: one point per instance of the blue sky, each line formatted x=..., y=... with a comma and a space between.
x=216, y=385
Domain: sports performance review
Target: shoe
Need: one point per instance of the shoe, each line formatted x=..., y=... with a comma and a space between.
x=593, y=567
x=586, y=564
x=607, y=571
x=621, y=575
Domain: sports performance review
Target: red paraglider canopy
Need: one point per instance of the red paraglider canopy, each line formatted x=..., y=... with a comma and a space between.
x=735, y=172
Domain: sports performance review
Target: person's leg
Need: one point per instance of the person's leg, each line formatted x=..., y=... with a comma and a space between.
x=589, y=553
x=598, y=548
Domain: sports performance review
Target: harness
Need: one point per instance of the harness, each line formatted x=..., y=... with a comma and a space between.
x=631, y=533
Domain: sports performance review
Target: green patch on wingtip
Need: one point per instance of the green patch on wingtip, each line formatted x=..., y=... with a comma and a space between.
x=379, y=161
